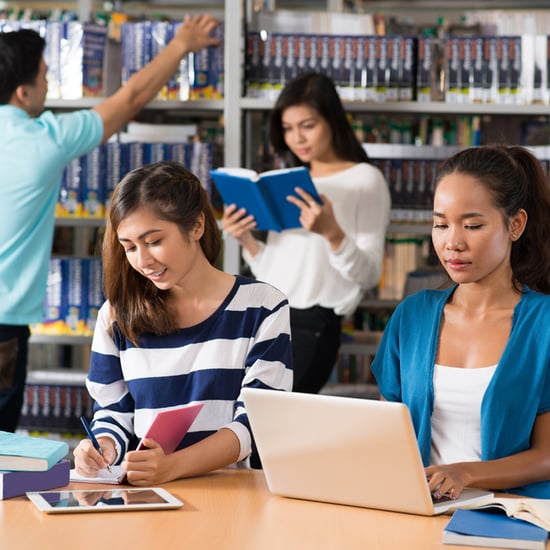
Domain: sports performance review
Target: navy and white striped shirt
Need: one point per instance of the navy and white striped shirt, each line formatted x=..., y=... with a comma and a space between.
x=246, y=342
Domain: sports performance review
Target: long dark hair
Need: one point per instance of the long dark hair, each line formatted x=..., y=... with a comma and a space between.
x=516, y=180
x=318, y=92
x=175, y=195
x=20, y=55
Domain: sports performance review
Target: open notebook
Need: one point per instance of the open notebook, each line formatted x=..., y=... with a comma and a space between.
x=343, y=450
x=167, y=429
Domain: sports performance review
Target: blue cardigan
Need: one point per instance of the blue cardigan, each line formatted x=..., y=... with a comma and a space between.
x=518, y=392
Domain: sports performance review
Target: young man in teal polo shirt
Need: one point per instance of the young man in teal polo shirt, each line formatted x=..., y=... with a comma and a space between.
x=35, y=147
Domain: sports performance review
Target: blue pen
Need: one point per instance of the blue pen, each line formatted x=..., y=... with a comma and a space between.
x=92, y=438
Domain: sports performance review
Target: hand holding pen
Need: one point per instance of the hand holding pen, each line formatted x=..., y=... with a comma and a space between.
x=92, y=438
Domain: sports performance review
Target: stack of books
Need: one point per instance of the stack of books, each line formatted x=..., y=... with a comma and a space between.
x=29, y=463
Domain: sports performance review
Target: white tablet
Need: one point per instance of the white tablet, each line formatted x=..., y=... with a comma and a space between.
x=104, y=500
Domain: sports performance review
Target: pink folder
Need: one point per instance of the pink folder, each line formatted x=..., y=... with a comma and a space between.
x=169, y=427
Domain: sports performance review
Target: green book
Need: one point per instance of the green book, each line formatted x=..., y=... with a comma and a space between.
x=29, y=453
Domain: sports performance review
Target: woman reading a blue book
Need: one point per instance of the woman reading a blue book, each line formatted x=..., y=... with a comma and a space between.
x=472, y=361
x=176, y=329
x=325, y=266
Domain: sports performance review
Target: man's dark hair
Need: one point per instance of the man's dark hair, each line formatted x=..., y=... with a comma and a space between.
x=20, y=55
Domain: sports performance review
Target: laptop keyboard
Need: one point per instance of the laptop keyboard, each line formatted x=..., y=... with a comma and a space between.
x=443, y=498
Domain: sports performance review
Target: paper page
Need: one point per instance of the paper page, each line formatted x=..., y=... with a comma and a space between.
x=114, y=477
x=240, y=172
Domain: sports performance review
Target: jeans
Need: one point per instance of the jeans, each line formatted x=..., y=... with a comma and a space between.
x=316, y=335
x=13, y=373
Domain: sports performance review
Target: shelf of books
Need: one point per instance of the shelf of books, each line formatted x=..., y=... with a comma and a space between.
x=415, y=96
x=184, y=123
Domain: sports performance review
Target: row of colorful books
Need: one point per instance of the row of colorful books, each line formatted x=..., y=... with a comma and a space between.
x=411, y=183
x=88, y=181
x=76, y=54
x=484, y=69
x=366, y=68
x=403, y=255
x=55, y=407
x=200, y=75
x=73, y=297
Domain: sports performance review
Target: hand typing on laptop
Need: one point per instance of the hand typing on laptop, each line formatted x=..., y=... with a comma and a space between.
x=442, y=483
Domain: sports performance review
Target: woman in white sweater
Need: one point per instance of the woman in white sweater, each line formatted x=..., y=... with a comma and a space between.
x=325, y=266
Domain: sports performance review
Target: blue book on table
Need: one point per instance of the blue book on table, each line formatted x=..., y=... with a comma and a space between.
x=493, y=528
x=20, y=452
x=264, y=195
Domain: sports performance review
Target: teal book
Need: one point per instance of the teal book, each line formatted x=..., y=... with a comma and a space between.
x=20, y=452
x=265, y=195
x=493, y=529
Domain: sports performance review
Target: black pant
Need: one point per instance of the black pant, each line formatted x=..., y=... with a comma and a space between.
x=316, y=334
x=13, y=372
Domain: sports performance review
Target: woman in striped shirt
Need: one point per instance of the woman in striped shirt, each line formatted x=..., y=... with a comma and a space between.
x=175, y=329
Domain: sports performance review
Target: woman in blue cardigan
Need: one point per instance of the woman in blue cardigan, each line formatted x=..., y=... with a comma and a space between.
x=472, y=361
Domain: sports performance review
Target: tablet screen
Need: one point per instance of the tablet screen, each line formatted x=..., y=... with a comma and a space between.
x=102, y=500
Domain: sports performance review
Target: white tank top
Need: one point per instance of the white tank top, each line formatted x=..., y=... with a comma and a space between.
x=456, y=418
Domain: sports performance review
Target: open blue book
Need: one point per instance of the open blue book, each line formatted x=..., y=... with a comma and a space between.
x=493, y=528
x=264, y=195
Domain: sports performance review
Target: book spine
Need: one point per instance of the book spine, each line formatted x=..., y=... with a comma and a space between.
x=93, y=50
x=52, y=53
x=490, y=59
x=93, y=200
x=394, y=63
x=217, y=62
x=347, y=71
x=69, y=203
x=94, y=297
x=291, y=47
x=179, y=86
x=160, y=36
x=476, y=89
x=71, y=67
x=515, y=70
x=54, y=304
x=277, y=64
x=382, y=68
x=206, y=81
x=136, y=48
x=503, y=70
x=326, y=54
x=74, y=309
x=453, y=70
x=114, y=168
x=14, y=484
x=542, y=67
x=315, y=62
x=465, y=69
x=252, y=64
x=265, y=66
x=359, y=71
x=407, y=68
x=302, y=56
x=371, y=48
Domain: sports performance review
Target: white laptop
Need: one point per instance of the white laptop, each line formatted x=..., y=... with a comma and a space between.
x=343, y=450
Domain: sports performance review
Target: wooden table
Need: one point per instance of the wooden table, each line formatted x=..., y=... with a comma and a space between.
x=227, y=510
